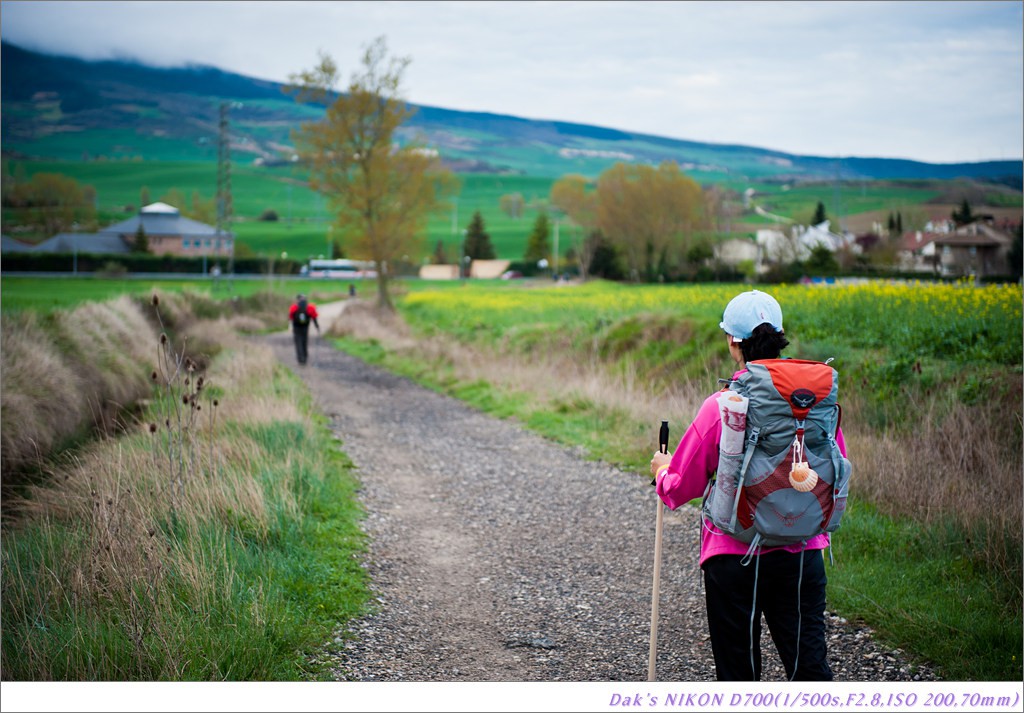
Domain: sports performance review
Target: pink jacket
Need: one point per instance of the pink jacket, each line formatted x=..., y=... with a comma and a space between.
x=693, y=463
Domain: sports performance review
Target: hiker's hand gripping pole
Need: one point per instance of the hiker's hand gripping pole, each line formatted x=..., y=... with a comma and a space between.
x=655, y=589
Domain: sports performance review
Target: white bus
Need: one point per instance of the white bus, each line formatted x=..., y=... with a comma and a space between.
x=340, y=269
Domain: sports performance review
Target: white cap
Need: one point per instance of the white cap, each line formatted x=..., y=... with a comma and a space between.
x=746, y=311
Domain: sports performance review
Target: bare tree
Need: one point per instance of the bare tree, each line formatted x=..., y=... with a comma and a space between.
x=570, y=195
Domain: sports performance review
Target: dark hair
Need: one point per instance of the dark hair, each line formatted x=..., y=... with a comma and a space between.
x=764, y=343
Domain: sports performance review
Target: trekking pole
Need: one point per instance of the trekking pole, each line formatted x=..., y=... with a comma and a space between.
x=655, y=589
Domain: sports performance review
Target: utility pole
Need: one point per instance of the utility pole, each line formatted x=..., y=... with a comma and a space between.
x=556, y=247
x=224, y=206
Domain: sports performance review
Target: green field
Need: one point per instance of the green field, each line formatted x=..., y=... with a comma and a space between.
x=47, y=295
x=303, y=228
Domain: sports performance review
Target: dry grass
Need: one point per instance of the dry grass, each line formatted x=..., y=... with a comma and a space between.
x=43, y=397
x=137, y=548
x=58, y=378
x=961, y=463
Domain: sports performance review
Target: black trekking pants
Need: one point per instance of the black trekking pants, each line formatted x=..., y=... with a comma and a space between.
x=301, y=335
x=791, y=603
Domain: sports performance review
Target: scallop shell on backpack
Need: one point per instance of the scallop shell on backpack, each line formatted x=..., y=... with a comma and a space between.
x=802, y=477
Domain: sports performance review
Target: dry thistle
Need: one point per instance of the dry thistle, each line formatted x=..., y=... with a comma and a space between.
x=156, y=300
x=152, y=428
x=154, y=376
x=163, y=337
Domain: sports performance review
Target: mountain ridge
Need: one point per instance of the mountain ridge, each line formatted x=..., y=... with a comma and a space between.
x=127, y=109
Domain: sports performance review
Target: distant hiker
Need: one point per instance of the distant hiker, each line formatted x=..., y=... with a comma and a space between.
x=301, y=314
x=745, y=579
x=351, y=290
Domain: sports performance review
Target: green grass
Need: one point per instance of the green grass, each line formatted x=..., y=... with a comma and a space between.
x=49, y=294
x=920, y=585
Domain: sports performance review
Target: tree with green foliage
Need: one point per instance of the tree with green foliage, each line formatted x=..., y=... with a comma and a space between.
x=605, y=262
x=440, y=256
x=144, y=196
x=141, y=244
x=821, y=261
x=478, y=242
x=380, y=190
x=337, y=251
x=699, y=253
x=538, y=245
x=895, y=224
x=963, y=216
x=819, y=214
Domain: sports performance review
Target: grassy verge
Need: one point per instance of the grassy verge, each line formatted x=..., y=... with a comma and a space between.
x=217, y=539
x=945, y=591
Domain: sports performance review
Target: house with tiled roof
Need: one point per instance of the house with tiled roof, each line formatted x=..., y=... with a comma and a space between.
x=167, y=233
x=976, y=249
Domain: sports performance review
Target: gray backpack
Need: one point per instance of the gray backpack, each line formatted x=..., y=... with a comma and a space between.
x=784, y=480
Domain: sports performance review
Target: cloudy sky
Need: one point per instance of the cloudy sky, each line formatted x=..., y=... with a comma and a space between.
x=931, y=81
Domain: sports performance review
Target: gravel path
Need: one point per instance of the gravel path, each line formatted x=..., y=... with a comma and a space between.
x=497, y=555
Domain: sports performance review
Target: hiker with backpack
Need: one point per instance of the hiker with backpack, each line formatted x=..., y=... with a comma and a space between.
x=768, y=458
x=300, y=314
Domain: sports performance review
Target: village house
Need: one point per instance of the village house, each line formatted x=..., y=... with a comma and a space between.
x=775, y=246
x=976, y=249
x=167, y=233
x=735, y=251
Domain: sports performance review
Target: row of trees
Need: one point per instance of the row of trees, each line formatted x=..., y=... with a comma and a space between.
x=653, y=217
